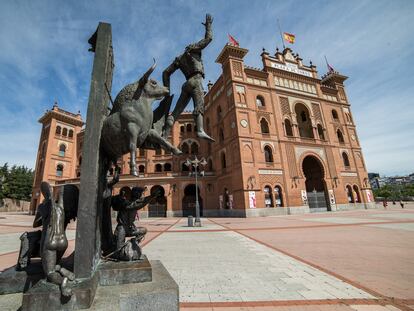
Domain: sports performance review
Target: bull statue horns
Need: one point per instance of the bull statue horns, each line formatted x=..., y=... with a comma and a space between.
x=146, y=75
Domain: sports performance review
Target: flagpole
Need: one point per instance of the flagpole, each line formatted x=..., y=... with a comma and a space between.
x=281, y=37
x=327, y=65
x=326, y=60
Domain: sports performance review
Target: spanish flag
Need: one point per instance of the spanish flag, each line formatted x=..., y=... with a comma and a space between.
x=289, y=37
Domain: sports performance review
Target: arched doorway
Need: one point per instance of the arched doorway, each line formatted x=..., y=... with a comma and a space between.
x=315, y=184
x=189, y=201
x=278, y=196
x=158, y=207
x=350, y=194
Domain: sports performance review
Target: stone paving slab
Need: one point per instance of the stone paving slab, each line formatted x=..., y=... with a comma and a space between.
x=230, y=267
x=343, y=220
x=398, y=216
x=206, y=225
x=402, y=226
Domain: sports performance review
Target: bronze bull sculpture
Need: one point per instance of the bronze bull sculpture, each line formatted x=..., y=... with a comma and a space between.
x=130, y=124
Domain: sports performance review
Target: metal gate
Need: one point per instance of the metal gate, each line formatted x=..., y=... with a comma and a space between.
x=157, y=210
x=317, y=201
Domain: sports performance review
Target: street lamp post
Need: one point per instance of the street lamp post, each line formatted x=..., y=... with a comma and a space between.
x=196, y=163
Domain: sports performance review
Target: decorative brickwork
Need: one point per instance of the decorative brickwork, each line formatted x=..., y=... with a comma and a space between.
x=284, y=104
x=237, y=69
x=270, y=179
x=293, y=171
x=316, y=110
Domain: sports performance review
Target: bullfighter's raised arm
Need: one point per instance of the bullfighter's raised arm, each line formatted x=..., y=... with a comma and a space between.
x=208, y=37
x=140, y=203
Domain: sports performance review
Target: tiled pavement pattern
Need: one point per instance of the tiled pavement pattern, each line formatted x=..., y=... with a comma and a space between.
x=226, y=266
x=291, y=263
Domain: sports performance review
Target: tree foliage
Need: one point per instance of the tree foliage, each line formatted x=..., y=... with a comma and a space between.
x=16, y=182
x=395, y=192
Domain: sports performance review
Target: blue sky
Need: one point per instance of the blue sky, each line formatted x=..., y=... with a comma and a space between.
x=44, y=58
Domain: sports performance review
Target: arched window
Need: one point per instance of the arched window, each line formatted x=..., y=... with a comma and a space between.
x=189, y=127
x=141, y=169
x=268, y=196
x=264, y=126
x=278, y=196
x=303, y=116
x=182, y=129
x=221, y=135
x=185, y=148
x=304, y=121
x=141, y=152
x=194, y=148
x=288, y=128
x=223, y=160
x=59, y=170
x=345, y=159
x=340, y=136
x=70, y=133
x=158, y=151
x=210, y=164
x=62, y=150
x=167, y=167
x=349, y=194
x=335, y=115
x=65, y=132
x=158, y=168
x=219, y=114
x=320, y=132
x=184, y=167
x=260, y=101
x=356, y=194
x=80, y=160
x=268, y=154
x=58, y=130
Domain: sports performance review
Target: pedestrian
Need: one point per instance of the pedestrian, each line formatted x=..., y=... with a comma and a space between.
x=384, y=203
x=402, y=204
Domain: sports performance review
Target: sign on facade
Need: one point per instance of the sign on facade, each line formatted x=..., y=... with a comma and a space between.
x=331, y=197
x=252, y=199
x=292, y=68
x=304, y=196
x=370, y=198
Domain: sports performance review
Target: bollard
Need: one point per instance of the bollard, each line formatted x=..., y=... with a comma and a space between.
x=190, y=221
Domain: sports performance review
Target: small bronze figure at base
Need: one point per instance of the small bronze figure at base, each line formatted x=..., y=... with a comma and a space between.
x=127, y=211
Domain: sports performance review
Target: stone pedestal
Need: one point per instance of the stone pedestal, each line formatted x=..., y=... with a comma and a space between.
x=141, y=285
x=161, y=294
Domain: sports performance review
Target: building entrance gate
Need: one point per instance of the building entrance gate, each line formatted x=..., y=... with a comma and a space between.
x=158, y=208
x=189, y=201
x=315, y=185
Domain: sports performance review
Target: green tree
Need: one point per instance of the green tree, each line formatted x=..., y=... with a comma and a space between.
x=17, y=182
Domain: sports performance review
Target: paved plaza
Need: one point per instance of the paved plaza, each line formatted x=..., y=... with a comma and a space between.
x=355, y=260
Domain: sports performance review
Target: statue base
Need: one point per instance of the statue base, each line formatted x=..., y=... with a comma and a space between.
x=139, y=285
x=14, y=281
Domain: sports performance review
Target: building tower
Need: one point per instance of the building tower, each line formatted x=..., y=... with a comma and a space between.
x=57, y=153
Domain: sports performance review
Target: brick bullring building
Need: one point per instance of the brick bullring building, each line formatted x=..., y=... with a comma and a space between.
x=285, y=143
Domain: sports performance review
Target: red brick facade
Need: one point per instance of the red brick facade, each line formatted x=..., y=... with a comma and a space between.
x=285, y=143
